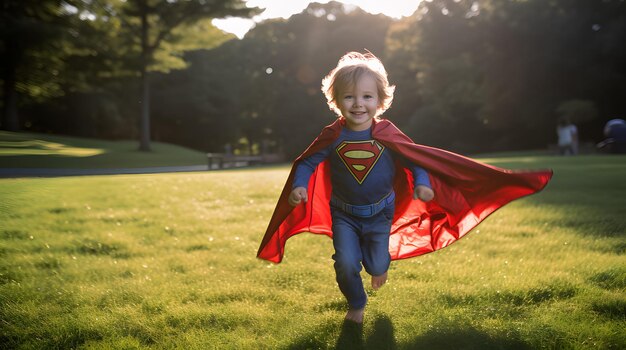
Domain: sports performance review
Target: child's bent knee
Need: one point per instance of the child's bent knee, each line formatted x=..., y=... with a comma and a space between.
x=377, y=269
x=346, y=264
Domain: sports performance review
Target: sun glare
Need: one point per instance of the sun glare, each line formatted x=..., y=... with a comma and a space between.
x=391, y=8
x=285, y=9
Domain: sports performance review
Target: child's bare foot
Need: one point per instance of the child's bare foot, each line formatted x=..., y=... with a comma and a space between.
x=378, y=281
x=355, y=315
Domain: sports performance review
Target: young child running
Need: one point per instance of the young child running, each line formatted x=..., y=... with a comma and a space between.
x=380, y=196
x=362, y=172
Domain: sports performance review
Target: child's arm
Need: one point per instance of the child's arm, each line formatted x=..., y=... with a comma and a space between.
x=424, y=193
x=298, y=195
x=421, y=182
x=423, y=189
x=304, y=170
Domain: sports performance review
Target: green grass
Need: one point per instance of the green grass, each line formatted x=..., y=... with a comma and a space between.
x=28, y=150
x=168, y=261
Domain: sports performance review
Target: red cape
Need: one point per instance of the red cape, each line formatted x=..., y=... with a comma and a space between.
x=466, y=192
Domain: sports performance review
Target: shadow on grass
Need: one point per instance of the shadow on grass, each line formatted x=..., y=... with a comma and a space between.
x=463, y=337
x=351, y=336
x=446, y=336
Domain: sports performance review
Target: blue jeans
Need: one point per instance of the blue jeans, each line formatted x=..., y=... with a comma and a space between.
x=360, y=240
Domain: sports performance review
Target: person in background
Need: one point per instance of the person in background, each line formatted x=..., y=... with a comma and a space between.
x=615, y=133
x=567, y=137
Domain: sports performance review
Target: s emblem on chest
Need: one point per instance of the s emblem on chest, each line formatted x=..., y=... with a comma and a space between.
x=359, y=157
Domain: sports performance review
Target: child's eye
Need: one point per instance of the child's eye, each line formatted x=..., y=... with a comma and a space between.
x=347, y=97
x=368, y=96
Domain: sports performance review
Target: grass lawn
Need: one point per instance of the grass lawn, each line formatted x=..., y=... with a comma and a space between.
x=28, y=150
x=168, y=261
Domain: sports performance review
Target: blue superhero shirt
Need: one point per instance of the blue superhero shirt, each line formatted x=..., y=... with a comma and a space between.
x=362, y=170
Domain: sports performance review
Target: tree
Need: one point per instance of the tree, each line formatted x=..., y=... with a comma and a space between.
x=30, y=31
x=498, y=70
x=438, y=48
x=285, y=62
x=196, y=106
x=153, y=22
x=577, y=111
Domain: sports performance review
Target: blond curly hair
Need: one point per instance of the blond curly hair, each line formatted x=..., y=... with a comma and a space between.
x=350, y=68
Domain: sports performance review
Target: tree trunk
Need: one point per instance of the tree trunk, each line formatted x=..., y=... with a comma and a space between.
x=144, y=141
x=144, y=127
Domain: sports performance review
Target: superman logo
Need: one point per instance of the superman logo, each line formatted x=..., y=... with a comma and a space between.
x=359, y=157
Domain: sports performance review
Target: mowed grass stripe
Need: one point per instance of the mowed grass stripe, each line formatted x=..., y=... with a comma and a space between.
x=31, y=150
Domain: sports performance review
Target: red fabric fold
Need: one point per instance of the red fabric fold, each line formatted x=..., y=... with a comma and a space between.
x=466, y=192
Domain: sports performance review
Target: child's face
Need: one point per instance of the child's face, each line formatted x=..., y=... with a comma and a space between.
x=359, y=103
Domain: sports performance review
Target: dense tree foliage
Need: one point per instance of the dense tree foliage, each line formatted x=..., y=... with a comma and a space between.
x=471, y=75
x=500, y=70
x=153, y=23
x=109, y=46
x=30, y=53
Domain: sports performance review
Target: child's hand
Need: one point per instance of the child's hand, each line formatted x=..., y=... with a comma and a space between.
x=424, y=193
x=297, y=196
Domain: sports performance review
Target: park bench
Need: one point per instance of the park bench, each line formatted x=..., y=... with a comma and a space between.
x=223, y=160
